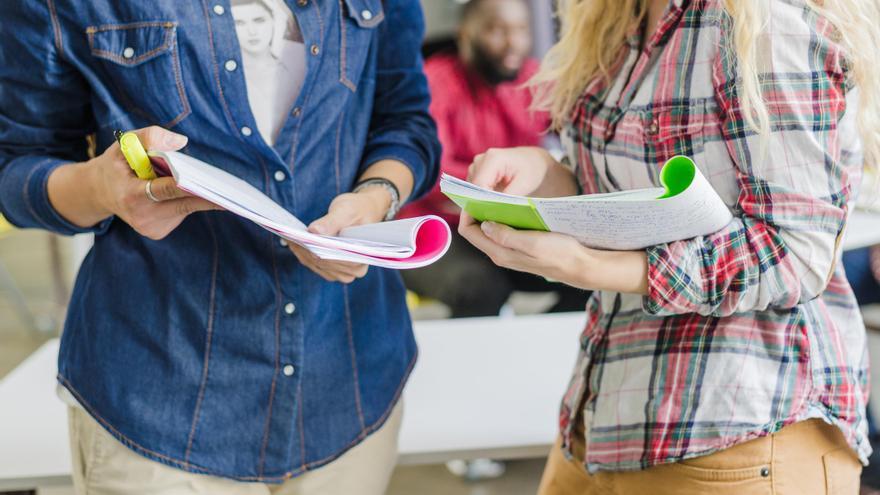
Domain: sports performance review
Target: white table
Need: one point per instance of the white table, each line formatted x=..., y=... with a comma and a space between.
x=34, y=452
x=482, y=387
x=488, y=387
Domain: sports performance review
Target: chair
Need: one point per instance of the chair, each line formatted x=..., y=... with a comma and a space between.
x=8, y=285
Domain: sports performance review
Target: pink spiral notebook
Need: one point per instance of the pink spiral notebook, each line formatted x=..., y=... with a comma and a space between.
x=398, y=244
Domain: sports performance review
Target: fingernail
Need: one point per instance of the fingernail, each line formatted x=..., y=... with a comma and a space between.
x=174, y=139
x=488, y=227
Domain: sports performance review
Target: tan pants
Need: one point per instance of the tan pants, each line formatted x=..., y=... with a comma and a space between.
x=805, y=458
x=104, y=466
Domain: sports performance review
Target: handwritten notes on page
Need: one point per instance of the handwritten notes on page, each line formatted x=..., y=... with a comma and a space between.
x=684, y=208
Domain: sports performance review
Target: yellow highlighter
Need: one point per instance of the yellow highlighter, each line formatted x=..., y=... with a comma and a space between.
x=135, y=155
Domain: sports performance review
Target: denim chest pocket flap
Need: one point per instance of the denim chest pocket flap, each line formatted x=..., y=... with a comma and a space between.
x=358, y=20
x=142, y=66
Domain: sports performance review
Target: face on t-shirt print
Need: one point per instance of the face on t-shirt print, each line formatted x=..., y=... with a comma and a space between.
x=273, y=56
x=262, y=26
x=255, y=26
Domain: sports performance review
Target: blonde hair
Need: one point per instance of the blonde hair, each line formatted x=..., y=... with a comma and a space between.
x=593, y=32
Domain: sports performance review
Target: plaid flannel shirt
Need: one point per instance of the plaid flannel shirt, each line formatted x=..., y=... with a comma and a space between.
x=754, y=327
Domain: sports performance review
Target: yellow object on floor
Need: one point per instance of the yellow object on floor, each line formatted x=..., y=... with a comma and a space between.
x=412, y=299
x=4, y=225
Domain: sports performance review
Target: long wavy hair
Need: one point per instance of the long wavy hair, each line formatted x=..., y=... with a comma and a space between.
x=593, y=32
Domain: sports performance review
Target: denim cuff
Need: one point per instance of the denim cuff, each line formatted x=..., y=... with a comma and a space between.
x=24, y=197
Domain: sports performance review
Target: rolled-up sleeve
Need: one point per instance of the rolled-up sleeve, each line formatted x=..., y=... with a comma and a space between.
x=45, y=115
x=795, y=187
x=401, y=127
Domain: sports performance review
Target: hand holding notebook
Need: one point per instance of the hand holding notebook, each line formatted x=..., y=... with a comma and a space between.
x=399, y=244
x=685, y=207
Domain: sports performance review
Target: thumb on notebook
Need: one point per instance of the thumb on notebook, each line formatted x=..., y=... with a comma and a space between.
x=339, y=216
x=350, y=209
x=155, y=138
x=327, y=225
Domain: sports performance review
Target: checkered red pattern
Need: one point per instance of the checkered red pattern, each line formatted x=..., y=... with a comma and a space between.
x=754, y=327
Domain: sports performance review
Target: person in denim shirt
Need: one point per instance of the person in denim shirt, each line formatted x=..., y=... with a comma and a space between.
x=201, y=353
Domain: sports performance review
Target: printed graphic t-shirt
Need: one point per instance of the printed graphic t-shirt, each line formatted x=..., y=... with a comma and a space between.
x=274, y=58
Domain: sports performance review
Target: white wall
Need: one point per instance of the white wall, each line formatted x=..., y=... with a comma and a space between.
x=441, y=17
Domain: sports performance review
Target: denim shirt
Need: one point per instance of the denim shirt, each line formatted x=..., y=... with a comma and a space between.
x=214, y=350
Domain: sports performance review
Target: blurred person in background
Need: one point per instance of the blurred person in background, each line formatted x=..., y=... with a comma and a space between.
x=479, y=101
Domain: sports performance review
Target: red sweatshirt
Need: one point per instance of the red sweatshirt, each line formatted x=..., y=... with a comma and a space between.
x=471, y=118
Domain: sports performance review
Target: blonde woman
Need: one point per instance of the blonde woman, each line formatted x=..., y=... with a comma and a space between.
x=734, y=362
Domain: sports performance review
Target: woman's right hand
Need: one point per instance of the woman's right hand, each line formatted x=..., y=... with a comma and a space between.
x=526, y=171
x=113, y=189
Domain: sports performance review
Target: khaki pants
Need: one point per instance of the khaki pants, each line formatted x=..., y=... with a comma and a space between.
x=104, y=466
x=806, y=458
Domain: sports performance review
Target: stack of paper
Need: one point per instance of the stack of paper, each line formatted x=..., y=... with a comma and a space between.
x=401, y=244
x=684, y=208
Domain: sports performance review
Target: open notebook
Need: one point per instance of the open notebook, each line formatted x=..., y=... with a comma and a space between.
x=685, y=207
x=400, y=244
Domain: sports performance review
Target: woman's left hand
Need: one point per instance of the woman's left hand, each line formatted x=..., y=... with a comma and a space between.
x=347, y=210
x=558, y=257
x=550, y=255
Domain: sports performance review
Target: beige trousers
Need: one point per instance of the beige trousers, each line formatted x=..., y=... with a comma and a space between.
x=104, y=466
x=806, y=458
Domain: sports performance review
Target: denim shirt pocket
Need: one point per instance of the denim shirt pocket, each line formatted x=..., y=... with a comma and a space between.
x=142, y=64
x=357, y=23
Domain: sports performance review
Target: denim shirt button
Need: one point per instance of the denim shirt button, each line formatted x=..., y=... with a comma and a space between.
x=289, y=308
x=316, y=49
x=282, y=242
x=302, y=3
x=366, y=15
x=128, y=52
x=288, y=370
x=297, y=111
x=280, y=176
x=219, y=10
x=246, y=131
x=230, y=65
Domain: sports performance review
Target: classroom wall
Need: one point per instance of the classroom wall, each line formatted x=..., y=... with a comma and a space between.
x=441, y=18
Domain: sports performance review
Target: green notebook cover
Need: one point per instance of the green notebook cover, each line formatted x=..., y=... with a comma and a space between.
x=524, y=217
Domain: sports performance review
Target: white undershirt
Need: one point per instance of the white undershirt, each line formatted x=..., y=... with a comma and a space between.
x=274, y=58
